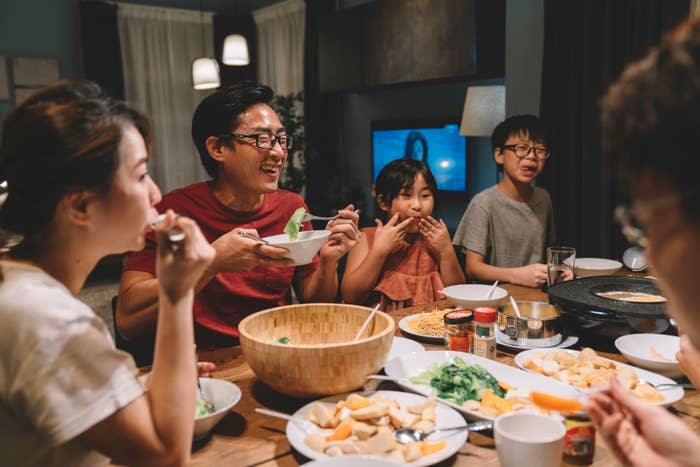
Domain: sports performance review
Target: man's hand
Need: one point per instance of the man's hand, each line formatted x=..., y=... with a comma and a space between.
x=532, y=275
x=344, y=235
x=235, y=253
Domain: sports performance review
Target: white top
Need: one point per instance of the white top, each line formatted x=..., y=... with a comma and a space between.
x=60, y=373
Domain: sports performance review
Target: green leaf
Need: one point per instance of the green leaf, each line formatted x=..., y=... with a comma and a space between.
x=294, y=224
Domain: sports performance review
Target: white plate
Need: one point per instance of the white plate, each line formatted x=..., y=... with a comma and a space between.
x=444, y=417
x=637, y=348
x=671, y=396
x=401, y=346
x=403, y=325
x=568, y=342
x=349, y=461
x=408, y=367
x=585, y=267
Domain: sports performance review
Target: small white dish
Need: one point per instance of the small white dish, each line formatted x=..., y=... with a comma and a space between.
x=474, y=295
x=502, y=341
x=634, y=259
x=586, y=267
x=303, y=249
x=224, y=395
x=401, y=346
x=656, y=352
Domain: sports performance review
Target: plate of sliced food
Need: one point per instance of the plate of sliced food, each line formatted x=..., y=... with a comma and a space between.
x=480, y=388
x=428, y=326
x=362, y=425
x=586, y=370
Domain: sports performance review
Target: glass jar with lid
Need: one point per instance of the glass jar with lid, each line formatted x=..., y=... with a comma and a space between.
x=459, y=330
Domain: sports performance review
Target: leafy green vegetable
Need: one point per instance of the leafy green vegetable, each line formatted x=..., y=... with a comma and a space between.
x=284, y=340
x=201, y=408
x=458, y=382
x=294, y=224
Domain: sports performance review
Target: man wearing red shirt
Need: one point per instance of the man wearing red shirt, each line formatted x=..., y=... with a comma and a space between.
x=243, y=146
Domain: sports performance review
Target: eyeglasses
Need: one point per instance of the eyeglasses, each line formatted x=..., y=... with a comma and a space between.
x=265, y=140
x=522, y=150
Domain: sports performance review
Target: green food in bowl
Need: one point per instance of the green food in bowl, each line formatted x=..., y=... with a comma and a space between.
x=201, y=408
x=294, y=224
x=284, y=340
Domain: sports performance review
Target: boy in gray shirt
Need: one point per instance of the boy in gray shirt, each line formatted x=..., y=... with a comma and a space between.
x=507, y=227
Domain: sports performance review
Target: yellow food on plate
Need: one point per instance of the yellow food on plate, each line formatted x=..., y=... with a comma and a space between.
x=366, y=426
x=430, y=323
x=587, y=370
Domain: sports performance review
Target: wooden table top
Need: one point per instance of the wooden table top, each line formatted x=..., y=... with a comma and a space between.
x=246, y=438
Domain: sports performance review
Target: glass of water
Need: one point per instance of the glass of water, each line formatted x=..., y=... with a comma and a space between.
x=560, y=264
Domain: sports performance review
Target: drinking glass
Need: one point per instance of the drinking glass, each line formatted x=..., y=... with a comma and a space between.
x=560, y=264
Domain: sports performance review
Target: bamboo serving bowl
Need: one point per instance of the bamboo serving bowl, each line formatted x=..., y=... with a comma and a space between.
x=321, y=358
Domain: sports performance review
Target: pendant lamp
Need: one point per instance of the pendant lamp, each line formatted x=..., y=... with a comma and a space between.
x=205, y=70
x=235, y=50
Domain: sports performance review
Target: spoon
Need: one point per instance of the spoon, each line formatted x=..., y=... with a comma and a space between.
x=410, y=435
x=389, y=378
x=310, y=217
x=175, y=235
x=515, y=307
x=364, y=325
x=253, y=236
x=667, y=386
x=493, y=287
x=207, y=403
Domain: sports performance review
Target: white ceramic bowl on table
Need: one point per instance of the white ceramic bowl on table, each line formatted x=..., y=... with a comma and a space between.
x=474, y=295
x=224, y=395
x=586, y=267
x=655, y=352
x=303, y=249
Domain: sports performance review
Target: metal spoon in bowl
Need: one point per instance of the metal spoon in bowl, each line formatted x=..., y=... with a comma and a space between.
x=410, y=435
x=200, y=392
x=516, y=308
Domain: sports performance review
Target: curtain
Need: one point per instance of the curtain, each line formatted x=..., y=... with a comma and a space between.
x=694, y=7
x=281, y=45
x=158, y=46
x=586, y=45
x=102, y=58
x=245, y=26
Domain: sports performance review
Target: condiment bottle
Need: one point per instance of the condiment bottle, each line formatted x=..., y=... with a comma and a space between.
x=579, y=440
x=485, y=335
x=459, y=330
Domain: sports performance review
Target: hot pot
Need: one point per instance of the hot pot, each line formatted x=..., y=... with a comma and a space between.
x=541, y=324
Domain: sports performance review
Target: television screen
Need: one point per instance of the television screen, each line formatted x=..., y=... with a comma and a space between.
x=436, y=142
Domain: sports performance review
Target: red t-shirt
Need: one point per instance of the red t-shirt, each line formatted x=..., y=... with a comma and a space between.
x=231, y=296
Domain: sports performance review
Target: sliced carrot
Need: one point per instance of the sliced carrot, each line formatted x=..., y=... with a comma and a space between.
x=505, y=386
x=503, y=405
x=427, y=448
x=551, y=402
x=343, y=431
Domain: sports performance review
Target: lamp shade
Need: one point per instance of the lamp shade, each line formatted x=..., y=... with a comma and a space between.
x=205, y=73
x=484, y=109
x=235, y=51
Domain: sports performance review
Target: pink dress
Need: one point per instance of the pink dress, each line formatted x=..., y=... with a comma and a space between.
x=411, y=276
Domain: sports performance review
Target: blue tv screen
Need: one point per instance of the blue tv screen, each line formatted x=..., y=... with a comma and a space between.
x=438, y=143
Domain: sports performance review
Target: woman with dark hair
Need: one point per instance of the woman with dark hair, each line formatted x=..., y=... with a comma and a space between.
x=416, y=147
x=75, y=163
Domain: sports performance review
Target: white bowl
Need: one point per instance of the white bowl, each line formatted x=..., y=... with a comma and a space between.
x=634, y=259
x=224, y=395
x=637, y=348
x=303, y=249
x=586, y=267
x=537, y=438
x=474, y=295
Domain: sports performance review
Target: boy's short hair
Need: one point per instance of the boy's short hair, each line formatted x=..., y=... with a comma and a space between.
x=651, y=116
x=516, y=125
x=219, y=113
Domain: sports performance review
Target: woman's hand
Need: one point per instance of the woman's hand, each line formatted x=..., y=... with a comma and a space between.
x=391, y=236
x=436, y=235
x=178, y=268
x=639, y=434
x=689, y=360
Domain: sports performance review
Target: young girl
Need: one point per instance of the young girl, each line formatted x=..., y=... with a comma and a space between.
x=75, y=162
x=408, y=259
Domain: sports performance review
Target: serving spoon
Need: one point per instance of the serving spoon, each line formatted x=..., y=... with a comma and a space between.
x=410, y=435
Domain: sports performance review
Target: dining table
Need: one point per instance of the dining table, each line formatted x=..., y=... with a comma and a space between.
x=247, y=438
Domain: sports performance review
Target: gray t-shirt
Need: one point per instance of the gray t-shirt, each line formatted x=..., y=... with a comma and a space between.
x=508, y=233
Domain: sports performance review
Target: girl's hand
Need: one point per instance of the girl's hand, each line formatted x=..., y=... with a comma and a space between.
x=179, y=269
x=436, y=235
x=639, y=434
x=391, y=236
x=689, y=360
